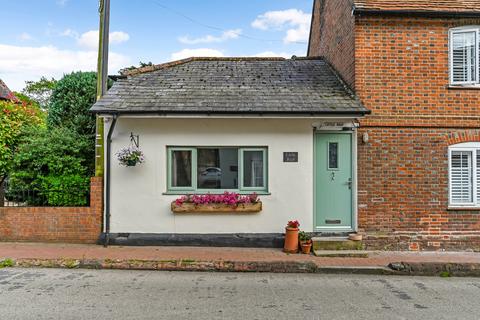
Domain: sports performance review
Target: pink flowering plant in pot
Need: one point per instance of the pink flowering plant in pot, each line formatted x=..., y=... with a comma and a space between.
x=130, y=156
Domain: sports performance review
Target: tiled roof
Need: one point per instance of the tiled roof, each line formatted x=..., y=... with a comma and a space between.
x=445, y=6
x=232, y=85
x=5, y=93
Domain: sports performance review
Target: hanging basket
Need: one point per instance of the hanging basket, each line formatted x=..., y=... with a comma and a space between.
x=130, y=156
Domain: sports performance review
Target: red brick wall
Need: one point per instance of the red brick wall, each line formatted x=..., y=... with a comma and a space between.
x=46, y=224
x=402, y=76
x=332, y=36
x=402, y=73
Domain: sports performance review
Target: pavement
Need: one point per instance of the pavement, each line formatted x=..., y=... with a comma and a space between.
x=138, y=294
x=236, y=259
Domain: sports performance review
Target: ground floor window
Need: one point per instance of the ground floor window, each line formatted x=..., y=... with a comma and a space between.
x=214, y=169
x=464, y=159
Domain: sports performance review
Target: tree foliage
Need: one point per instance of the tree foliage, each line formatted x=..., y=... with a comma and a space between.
x=56, y=163
x=71, y=100
x=40, y=90
x=15, y=120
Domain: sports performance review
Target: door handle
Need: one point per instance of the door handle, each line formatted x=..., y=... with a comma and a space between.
x=349, y=183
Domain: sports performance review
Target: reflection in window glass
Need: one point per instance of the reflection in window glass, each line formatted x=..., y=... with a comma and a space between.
x=181, y=168
x=253, y=169
x=217, y=168
x=333, y=155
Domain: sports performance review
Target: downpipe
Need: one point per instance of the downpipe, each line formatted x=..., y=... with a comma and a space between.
x=108, y=178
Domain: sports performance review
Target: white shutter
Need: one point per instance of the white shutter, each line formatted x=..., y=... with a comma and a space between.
x=478, y=176
x=464, y=57
x=461, y=182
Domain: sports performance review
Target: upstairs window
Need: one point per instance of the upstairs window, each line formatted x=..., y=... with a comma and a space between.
x=464, y=159
x=465, y=55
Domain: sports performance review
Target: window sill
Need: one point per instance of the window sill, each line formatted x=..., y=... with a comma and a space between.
x=463, y=208
x=464, y=87
x=184, y=193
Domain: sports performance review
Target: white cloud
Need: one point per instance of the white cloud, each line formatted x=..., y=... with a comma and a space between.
x=295, y=21
x=69, y=33
x=20, y=63
x=25, y=36
x=201, y=52
x=226, y=35
x=267, y=54
x=62, y=3
x=89, y=39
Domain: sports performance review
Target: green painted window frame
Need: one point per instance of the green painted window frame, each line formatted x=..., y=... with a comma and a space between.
x=194, y=188
x=193, y=169
x=241, y=168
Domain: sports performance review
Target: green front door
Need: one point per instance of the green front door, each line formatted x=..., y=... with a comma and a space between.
x=333, y=181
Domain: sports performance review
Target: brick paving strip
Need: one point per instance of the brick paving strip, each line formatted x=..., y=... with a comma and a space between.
x=236, y=259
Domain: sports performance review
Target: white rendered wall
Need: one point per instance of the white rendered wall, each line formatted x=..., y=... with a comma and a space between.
x=138, y=203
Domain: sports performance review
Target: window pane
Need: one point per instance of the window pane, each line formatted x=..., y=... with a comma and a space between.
x=253, y=169
x=217, y=168
x=464, y=57
x=478, y=176
x=333, y=155
x=181, y=168
x=461, y=177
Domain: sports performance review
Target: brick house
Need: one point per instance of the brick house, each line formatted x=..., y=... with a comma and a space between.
x=376, y=131
x=415, y=65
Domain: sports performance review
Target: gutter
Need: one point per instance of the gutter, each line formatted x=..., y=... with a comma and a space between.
x=108, y=178
x=417, y=13
x=246, y=114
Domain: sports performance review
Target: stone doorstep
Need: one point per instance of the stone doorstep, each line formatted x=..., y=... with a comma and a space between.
x=342, y=253
x=335, y=244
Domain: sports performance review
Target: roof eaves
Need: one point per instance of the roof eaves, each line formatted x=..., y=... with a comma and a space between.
x=417, y=13
x=251, y=112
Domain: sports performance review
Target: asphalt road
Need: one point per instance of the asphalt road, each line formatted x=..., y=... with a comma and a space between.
x=101, y=294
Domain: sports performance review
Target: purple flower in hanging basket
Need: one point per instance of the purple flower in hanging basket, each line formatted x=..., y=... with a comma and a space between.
x=130, y=156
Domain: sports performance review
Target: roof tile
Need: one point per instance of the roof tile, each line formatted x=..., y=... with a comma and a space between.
x=232, y=85
x=420, y=5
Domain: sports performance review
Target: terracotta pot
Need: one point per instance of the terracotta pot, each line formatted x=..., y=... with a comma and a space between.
x=306, y=247
x=355, y=237
x=291, y=240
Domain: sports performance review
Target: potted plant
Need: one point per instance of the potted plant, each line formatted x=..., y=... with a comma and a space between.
x=291, y=237
x=305, y=242
x=130, y=156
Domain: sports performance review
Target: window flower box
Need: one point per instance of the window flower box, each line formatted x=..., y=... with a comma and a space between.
x=216, y=208
x=224, y=203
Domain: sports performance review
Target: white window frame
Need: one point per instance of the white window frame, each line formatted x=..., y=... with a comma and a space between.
x=460, y=30
x=474, y=148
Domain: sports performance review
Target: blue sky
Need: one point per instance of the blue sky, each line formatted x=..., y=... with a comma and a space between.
x=53, y=37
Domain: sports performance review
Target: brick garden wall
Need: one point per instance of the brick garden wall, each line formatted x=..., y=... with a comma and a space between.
x=402, y=76
x=48, y=224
